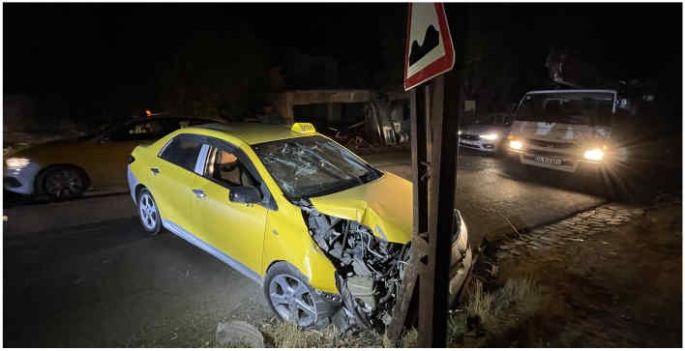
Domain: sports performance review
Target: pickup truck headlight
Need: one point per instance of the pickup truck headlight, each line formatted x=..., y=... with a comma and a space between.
x=594, y=154
x=17, y=162
x=515, y=144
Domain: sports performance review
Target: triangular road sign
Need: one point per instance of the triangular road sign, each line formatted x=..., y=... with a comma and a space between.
x=430, y=52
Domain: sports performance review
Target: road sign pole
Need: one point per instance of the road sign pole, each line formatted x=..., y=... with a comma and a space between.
x=434, y=165
x=403, y=313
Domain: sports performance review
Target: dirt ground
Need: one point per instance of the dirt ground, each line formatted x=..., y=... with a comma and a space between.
x=620, y=287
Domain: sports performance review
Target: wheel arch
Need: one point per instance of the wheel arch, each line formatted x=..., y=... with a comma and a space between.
x=317, y=270
x=139, y=187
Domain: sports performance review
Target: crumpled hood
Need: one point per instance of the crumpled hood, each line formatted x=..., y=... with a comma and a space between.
x=383, y=205
x=559, y=131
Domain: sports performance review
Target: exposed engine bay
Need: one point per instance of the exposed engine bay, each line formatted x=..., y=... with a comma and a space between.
x=370, y=269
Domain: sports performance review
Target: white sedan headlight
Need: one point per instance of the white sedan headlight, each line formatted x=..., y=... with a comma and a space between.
x=17, y=162
x=489, y=136
x=594, y=154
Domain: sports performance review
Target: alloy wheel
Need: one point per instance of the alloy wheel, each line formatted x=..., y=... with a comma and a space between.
x=292, y=300
x=148, y=211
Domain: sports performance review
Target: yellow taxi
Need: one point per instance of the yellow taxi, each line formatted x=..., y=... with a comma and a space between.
x=326, y=234
x=65, y=169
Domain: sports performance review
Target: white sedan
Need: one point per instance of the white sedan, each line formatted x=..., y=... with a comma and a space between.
x=486, y=135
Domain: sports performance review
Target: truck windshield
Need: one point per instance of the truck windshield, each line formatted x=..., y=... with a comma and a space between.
x=313, y=166
x=589, y=108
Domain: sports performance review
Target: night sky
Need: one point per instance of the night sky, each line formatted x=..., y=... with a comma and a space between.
x=90, y=51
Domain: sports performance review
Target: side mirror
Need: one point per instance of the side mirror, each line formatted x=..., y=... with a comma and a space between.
x=244, y=195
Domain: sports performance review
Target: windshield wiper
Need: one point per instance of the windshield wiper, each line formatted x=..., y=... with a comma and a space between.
x=329, y=163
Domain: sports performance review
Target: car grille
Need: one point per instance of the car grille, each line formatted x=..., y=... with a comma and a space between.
x=469, y=137
x=550, y=144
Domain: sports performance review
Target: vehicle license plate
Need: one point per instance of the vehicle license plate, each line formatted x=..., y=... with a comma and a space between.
x=548, y=160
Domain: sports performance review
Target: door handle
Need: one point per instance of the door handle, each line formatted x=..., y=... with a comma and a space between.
x=199, y=193
x=155, y=170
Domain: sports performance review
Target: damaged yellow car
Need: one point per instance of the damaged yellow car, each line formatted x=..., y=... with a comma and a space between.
x=326, y=234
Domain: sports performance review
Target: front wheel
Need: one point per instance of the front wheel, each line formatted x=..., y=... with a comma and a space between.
x=293, y=299
x=149, y=213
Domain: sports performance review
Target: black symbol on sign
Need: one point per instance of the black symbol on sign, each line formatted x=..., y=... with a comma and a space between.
x=431, y=40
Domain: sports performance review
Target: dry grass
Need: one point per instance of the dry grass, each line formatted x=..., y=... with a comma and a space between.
x=498, y=311
x=410, y=339
x=287, y=335
x=456, y=326
x=290, y=336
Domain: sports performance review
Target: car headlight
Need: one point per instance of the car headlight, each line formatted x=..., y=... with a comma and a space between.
x=516, y=145
x=594, y=154
x=17, y=162
x=490, y=136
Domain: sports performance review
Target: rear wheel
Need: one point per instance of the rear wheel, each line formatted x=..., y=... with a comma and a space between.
x=63, y=182
x=293, y=299
x=149, y=212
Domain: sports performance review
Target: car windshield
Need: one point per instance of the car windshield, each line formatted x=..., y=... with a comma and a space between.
x=313, y=166
x=587, y=108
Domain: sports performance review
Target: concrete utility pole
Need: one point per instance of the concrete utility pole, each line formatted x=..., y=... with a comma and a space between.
x=436, y=108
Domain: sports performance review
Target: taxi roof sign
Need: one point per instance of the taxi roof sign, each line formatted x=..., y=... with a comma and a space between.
x=304, y=128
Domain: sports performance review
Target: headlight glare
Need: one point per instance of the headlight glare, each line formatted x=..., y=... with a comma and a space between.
x=594, y=154
x=17, y=162
x=516, y=145
x=489, y=136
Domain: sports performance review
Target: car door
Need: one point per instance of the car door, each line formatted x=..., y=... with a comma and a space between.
x=174, y=177
x=236, y=229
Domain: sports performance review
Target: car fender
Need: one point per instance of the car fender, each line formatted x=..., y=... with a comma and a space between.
x=287, y=239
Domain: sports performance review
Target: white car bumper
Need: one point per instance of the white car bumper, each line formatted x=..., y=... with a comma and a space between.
x=479, y=144
x=21, y=180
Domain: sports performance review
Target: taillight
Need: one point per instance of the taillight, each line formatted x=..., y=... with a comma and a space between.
x=131, y=159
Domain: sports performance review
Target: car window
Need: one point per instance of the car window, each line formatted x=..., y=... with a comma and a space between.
x=182, y=152
x=144, y=130
x=226, y=168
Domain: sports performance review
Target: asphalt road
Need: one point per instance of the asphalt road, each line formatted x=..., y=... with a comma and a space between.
x=99, y=281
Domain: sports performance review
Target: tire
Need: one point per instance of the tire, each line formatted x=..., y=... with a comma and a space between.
x=63, y=182
x=148, y=212
x=289, y=294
